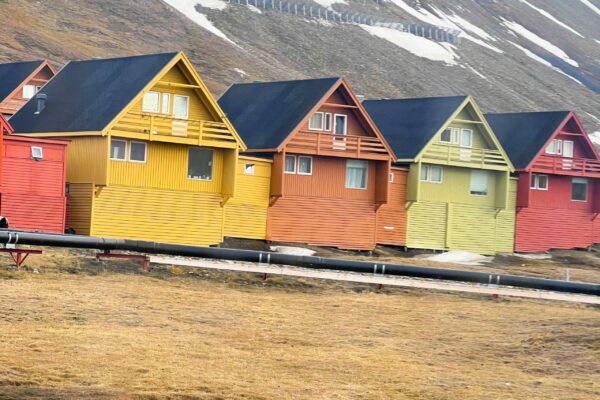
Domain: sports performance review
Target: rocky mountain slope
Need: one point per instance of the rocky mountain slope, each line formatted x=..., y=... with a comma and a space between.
x=513, y=55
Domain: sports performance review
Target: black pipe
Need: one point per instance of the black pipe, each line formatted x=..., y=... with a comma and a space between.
x=87, y=242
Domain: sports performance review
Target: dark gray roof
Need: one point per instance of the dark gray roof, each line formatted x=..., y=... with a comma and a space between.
x=409, y=124
x=13, y=74
x=266, y=113
x=87, y=95
x=523, y=135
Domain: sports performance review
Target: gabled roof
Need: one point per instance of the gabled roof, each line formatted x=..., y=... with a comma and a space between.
x=266, y=113
x=87, y=95
x=524, y=135
x=5, y=126
x=12, y=75
x=409, y=124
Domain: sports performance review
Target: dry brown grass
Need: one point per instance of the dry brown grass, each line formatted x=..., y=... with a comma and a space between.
x=80, y=330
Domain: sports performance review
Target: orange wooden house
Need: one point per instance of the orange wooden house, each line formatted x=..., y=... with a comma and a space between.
x=20, y=81
x=331, y=166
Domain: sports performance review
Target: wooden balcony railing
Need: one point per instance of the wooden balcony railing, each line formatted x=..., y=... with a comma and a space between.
x=156, y=127
x=328, y=144
x=567, y=166
x=454, y=154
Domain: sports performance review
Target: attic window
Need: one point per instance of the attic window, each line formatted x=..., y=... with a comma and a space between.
x=29, y=91
x=37, y=153
x=316, y=122
x=151, y=102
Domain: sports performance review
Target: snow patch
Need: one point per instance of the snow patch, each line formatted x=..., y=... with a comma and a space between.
x=591, y=6
x=479, y=74
x=543, y=43
x=213, y=4
x=295, y=251
x=188, y=8
x=254, y=9
x=329, y=3
x=539, y=59
x=419, y=46
x=461, y=257
x=551, y=17
x=240, y=72
x=534, y=256
x=595, y=138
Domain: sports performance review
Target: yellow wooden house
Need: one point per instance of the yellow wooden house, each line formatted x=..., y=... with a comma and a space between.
x=152, y=156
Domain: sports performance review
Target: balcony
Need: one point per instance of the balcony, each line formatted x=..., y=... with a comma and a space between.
x=154, y=127
x=567, y=166
x=463, y=156
x=328, y=144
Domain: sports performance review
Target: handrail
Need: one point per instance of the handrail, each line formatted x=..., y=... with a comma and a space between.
x=451, y=153
x=325, y=142
x=559, y=164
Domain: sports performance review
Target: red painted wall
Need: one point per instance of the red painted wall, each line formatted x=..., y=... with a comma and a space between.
x=33, y=192
x=554, y=221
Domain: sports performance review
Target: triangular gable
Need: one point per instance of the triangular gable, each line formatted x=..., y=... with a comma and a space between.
x=45, y=64
x=5, y=127
x=570, y=119
x=478, y=116
x=342, y=88
x=195, y=82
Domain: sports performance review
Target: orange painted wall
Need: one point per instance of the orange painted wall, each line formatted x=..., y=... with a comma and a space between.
x=392, y=217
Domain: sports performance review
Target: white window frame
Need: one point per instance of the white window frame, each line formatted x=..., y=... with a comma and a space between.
x=145, y=110
x=212, y=166
x=366, y=175
x=312, y=128
x=124, y=159
x=465, y=130
x=345, y=124
x=564, y=142
x=129, y=152
x=187, y=111
x=40, y=150
x=165, y=99
x=535, y=185
x=487, y=193
x=587, y=189
x=298, y=166
x=455, y=135
x=328, y=122
x=451, y=136
x=285, y=164
x=391, y=177
x=429, y=174
x=249, y=169
x=31, y=87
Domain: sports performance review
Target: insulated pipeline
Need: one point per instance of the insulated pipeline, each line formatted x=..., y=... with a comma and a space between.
x=87, y=242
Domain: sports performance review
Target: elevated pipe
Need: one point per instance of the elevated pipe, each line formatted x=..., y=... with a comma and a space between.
x=99, y=243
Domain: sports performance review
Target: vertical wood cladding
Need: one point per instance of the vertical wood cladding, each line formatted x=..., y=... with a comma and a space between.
x=391, y=217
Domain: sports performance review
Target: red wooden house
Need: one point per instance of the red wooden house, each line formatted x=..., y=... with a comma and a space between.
x=331, y=165
x=32, y=190
x=558, y=196
x=20, y=81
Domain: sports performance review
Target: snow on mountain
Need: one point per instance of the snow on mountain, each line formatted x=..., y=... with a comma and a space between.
x=188, y=8
x=329, y=3
x=591, y=6
x=551, y=17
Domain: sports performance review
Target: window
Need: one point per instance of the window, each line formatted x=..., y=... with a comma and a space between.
x=248, y=169
x=466, y=138
x=315, y=123
x=290, y=164
x=37, y=153
x=150, y=102
x=137, y=152
x=539, y=182
x=328, y=122
x=200, y=163
x=479, y=183
x=556, y=147
x=28, y=91
x=432, y=173
x=304, y=165
x=567, y=150
x=356, y=174
x=117, y=149
x=181, y=106
x=340, y=124
x=579, y=189
x=446, y=136
x=165, y=106
x=391, y=177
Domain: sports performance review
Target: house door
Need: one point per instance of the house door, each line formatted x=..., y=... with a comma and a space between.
x=340, y=126
x=466, y=143
x=567, y=154
x=181, y=109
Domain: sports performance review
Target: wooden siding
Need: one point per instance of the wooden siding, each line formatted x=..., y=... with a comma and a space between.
x=79, y=207
x=158, y=215
x=87, y=160
x=33, y=191
x=391, y=217
x=166, y=168
x=246, y=213
x=343, y=223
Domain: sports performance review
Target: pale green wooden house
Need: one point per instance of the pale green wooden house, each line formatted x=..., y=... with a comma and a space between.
x=460, y=195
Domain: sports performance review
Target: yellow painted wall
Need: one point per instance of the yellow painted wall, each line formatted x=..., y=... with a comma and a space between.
x=158, y=215
x=165, y=168
x=246, y=213
x=79, y=207
x=87, y=160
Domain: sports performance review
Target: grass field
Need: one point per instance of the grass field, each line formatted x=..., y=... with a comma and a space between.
x=78, y=329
